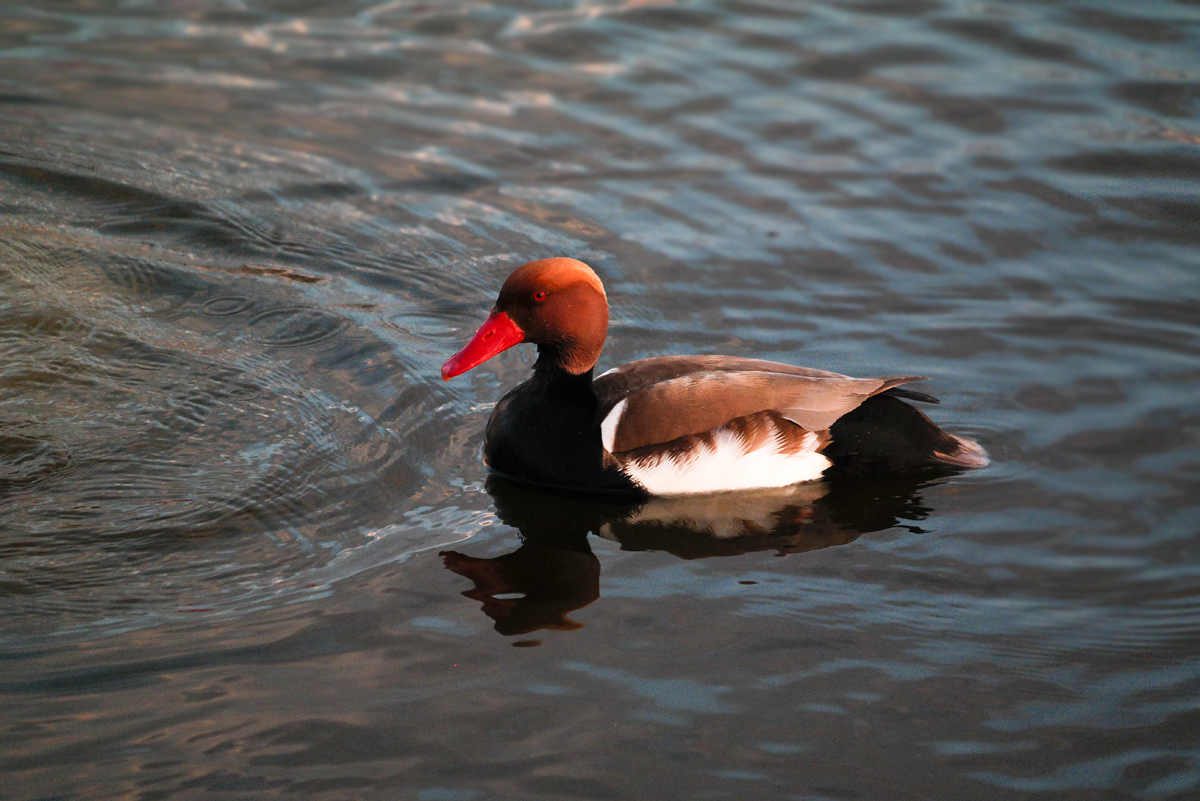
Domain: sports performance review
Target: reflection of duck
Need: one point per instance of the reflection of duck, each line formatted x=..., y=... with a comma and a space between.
x=554, y=572
x=534, y=587
x=680, y=424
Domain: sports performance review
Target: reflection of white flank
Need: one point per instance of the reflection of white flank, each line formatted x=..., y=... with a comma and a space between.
x=723, y=515
x=728, y=465
x=608, y=428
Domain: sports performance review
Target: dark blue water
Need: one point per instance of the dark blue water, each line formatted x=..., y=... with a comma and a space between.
x=247, y=549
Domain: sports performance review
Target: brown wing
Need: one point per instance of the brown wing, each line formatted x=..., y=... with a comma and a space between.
x=669, y=397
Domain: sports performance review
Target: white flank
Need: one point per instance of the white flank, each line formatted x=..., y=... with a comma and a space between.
x=608, y=426
x=608, y=372
x=727, y=465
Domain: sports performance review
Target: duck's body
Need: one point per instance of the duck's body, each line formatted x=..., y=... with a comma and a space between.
x=680, y=425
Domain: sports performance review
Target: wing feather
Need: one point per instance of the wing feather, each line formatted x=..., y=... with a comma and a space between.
x=654, y=401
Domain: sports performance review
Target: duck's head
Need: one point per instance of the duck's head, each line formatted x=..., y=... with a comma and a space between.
x=557, y=304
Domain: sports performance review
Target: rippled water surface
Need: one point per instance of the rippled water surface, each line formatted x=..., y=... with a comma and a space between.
x=247, y=548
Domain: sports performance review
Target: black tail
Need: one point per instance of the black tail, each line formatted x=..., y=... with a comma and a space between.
x=886, y=435
x=908, y=393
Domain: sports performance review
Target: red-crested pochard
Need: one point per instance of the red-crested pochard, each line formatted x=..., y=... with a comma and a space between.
x=676, y=425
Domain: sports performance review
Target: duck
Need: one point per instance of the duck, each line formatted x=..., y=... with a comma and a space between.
x=680, y=425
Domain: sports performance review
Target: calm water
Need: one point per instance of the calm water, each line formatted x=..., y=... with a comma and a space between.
x=246, y=545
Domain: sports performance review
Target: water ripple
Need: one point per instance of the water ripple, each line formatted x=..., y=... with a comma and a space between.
x=237, y=240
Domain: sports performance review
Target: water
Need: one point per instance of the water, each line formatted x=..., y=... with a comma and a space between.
x=246, y=546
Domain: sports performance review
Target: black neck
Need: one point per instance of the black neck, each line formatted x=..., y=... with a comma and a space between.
x=549, y=369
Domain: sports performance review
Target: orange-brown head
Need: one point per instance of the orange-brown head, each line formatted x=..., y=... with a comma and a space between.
x=557, y=304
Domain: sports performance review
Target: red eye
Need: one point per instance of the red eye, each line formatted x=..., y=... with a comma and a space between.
x=539, y=296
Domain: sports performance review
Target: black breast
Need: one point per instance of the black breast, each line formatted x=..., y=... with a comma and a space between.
x=545, y=432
